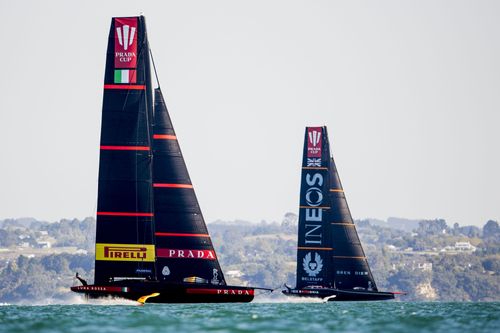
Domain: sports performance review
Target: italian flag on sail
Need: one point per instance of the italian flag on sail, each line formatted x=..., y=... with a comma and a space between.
x=125, y=76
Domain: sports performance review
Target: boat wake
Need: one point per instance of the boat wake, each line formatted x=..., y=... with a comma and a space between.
x=285, y=299
x=78, y=300
x=107, y=301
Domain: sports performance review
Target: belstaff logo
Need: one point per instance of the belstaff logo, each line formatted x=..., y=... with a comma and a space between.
x=312, y=267
x=314, y=135
x=125, y=36
x=125, y=252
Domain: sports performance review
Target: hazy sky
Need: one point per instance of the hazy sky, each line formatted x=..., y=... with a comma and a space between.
x=409, y=90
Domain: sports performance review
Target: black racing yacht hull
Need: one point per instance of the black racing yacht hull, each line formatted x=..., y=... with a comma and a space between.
x=337, y=295
x=158, y=292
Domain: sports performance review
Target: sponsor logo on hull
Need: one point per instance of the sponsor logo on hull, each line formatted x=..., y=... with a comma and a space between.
x=295, y=291
x=125, y=252
x=186, y=254
x=125, y=42
x=235, y=292
x=100, y=288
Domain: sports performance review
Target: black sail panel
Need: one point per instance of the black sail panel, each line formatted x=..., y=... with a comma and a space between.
x=314, y=244
x=351, y=269
x=125, y=230
x=184, y=250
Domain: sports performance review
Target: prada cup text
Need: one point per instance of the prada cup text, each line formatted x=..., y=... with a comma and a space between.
x=124, y=56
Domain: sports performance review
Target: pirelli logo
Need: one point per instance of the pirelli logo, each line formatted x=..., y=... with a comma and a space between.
x=125, y=252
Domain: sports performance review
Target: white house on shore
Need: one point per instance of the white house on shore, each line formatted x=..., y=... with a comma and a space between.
x=460, y=247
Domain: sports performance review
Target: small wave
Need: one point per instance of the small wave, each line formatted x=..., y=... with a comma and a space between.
x=112, y=301
x=77, y=300
x=285, y=299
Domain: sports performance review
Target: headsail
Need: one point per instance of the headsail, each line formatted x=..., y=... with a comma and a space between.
x=125, y=228
x=349, y=260
x=184, y=248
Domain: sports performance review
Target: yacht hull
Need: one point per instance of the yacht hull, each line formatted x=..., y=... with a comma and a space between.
x=337, y=295
x=159, y=292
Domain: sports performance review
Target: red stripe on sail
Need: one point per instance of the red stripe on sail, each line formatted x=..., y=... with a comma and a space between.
x=173, y=234
x=124, y=214
x=125, y=86
x=164, y=137
x=173, y=185
x=125, y=148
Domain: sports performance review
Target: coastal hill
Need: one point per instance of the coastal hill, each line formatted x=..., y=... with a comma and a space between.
x=426, y=258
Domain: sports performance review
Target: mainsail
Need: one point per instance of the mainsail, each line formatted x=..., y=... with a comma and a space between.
x=149, y=223
x=329, y=252
x=125, y=216
x=314, y=264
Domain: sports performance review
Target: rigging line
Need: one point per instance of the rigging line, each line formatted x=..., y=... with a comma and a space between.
x=150, y=121
x=154, y=66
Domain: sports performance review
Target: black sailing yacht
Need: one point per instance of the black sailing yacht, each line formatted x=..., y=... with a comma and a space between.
x=331, y=263
x=151, y=239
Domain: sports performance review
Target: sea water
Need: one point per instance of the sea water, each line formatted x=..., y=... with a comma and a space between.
x=263, y=315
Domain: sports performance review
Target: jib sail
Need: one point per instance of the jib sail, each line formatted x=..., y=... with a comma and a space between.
x=125, y=215
x=351, y=268
x=184, y=248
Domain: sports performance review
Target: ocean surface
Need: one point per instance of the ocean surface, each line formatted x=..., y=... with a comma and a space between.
x=261, y=316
